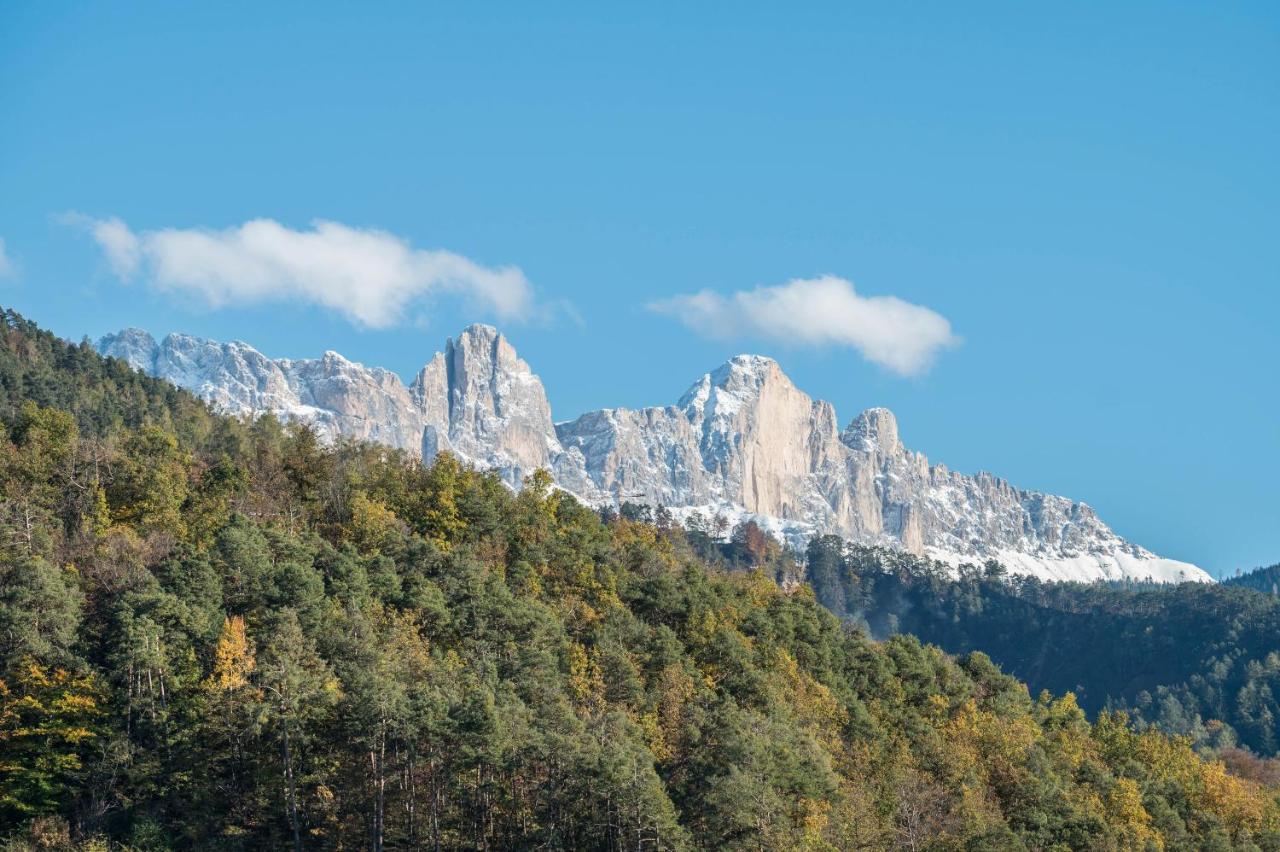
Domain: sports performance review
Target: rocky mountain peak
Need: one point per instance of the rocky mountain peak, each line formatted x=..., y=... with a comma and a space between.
x=134, y=346
x=481, y=344
x=745, y=369
x=725, y=390
x=875, y=429
x=336, y=360
x=480, y=331
x=496, y=407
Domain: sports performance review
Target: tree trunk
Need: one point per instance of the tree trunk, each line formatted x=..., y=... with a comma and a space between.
x=291, y=794
x=412, y=784
x=377, y=760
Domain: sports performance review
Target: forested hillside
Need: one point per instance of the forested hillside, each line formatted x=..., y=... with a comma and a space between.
x=1188, y=657
x=226, y=636
x=1261, y=580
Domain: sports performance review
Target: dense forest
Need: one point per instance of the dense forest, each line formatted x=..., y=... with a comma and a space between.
x=223, y=635
x=1197, y=659
x=1261, y=580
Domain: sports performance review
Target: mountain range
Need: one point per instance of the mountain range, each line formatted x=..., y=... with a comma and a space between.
x=742, y=442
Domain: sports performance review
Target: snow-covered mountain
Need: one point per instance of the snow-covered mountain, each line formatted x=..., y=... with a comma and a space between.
x=743, y=441
x=477, y=398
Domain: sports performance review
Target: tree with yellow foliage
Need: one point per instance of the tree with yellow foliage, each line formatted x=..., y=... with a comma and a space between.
x=233, y=659
x=48, y=724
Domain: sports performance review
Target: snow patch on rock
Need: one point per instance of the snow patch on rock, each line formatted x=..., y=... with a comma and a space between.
x=743, y=442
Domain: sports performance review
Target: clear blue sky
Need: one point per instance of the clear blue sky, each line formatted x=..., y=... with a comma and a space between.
x=1089, y=194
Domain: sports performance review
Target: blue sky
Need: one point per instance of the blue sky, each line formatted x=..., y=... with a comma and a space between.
x=1089, y=198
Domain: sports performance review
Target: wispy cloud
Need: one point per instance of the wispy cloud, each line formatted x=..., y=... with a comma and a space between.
x=825, y=311
x=7, y=267
x=369, y=275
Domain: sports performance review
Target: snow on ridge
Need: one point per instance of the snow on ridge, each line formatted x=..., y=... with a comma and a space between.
x=741, y=442
x=1085, y=568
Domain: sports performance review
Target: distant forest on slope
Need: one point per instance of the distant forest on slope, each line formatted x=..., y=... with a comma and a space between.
x=225, y=635
x=1261, y=580
x=1197, y=659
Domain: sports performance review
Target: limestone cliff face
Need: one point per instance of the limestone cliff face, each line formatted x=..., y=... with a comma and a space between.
x=496, y=408
x=481, y=402
x=476, y=399
x=742, y=441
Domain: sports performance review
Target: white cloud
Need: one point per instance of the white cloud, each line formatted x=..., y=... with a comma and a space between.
x=825, y=311
x=118, y=243
x=7, y=267
x=371, y=276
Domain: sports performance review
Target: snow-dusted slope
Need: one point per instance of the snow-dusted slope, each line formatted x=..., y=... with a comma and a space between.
x=743, y=441
x=476, y=399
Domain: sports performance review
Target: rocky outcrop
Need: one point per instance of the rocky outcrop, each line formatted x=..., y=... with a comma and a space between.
x=743, y=441
x=336, y=396
x=476, y=399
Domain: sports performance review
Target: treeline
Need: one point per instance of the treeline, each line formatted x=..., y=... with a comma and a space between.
x=1196, y=659
x=1265, y=580
x=224, y=635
